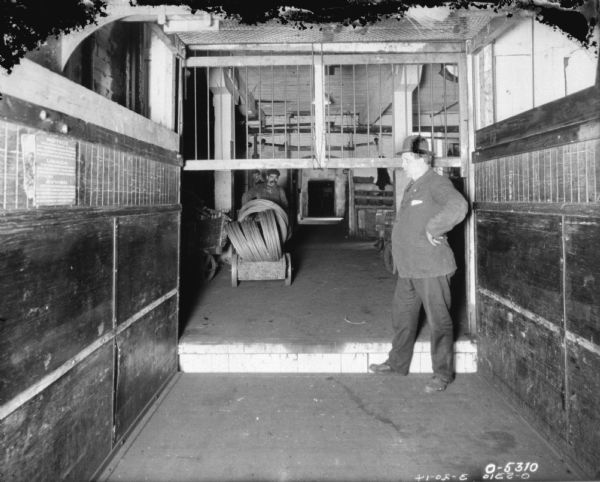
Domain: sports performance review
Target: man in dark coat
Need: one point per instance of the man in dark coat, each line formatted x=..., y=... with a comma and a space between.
x=425, y=263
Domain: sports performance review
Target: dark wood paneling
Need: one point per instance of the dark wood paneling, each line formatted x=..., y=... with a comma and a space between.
x=567, y=209
x=78, y=213
x=543, y=140
x=56, y=285
x=583, y=277
x=526, y=357
x=519, y=258
x=578, y=108
x=147, y=260
x=584, y=410
x=63, y=433
x=147, y=358
x=26, y=113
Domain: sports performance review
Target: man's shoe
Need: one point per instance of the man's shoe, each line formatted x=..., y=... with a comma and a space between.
x=380, y=368
x=436, y=385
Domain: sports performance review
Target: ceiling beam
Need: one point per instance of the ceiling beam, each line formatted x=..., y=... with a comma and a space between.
x=172, y=42
x=308, y=163
x=340, y=59
x=346, y=47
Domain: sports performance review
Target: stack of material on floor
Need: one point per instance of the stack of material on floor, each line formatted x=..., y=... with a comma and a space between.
x=260, y=231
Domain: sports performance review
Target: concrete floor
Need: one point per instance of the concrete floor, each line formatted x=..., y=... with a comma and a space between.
x=331, y=427
x=335, y=317
x=335, y=280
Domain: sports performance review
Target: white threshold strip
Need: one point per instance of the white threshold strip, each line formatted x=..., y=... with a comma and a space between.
x=39, y=386
x=569, y=335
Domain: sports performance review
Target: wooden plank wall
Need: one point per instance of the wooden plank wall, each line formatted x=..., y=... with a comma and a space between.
x=89, y=304
x=537, y=208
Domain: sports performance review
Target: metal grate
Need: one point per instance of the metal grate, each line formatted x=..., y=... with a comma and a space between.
x=332, y=106
x=110, y=177
x=373, y=106
x=564, y=174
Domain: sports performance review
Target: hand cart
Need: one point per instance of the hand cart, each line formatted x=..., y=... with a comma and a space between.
x=257, y=238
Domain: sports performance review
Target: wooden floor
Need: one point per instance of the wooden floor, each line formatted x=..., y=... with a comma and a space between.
x=334, y=428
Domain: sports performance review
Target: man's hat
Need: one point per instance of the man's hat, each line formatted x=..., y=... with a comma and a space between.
x=417, y=144
x=273, y=171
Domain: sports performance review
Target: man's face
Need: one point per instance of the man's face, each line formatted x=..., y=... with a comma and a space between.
x=272, y=179
x=256, y=177
x=411, y=163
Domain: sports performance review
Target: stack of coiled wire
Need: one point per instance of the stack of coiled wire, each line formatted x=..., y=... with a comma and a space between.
x=260, y=231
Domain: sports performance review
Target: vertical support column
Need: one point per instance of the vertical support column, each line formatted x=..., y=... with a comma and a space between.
x=352, y=228
x=224, y=132
x=406, y=78
x=319, y=76
x=467, y=143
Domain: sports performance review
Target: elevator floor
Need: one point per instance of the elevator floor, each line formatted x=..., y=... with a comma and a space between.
x=335, y=317
x=276, y=427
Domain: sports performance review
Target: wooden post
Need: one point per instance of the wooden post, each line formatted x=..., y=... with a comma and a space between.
x=408, y=79
x=351, y=207
x=224, y=129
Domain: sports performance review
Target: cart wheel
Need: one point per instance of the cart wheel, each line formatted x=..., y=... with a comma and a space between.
x=388, y=260
x=234, y=270
x=288, y=269
x=209, y=266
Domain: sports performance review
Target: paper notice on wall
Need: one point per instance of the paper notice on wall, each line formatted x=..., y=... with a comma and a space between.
x=50, y=169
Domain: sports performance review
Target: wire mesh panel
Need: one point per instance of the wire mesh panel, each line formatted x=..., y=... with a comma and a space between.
x=280, y=122
x=273, y=111
x=334, y=106
x=370, y=108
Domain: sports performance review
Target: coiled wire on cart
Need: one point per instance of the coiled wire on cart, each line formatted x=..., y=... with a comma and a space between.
x=260, y=231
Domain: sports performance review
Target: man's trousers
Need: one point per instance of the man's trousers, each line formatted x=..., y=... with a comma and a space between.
x=434, y=295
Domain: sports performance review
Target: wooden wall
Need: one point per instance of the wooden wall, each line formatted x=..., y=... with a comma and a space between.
x=89, y=303
x=537, y=208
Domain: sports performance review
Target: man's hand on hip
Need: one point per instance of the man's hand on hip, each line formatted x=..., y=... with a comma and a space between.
x=435, y=241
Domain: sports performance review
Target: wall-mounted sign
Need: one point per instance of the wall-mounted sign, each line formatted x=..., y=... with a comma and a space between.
x=50, y=169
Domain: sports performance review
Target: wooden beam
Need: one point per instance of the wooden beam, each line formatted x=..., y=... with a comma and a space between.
x=393, y=58
x=465, y=121
x=558, y=209
x=20, y=111
x=319, y=102
x=578, y=108
x=349, y=47
x=286, y=163
x=543, y=140
x=249, y=61
x=341, y=59
x=172, y=42
x=471, y=261
x=33, y=83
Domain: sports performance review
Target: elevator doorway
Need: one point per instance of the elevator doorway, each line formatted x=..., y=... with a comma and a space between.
x=321, y=199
